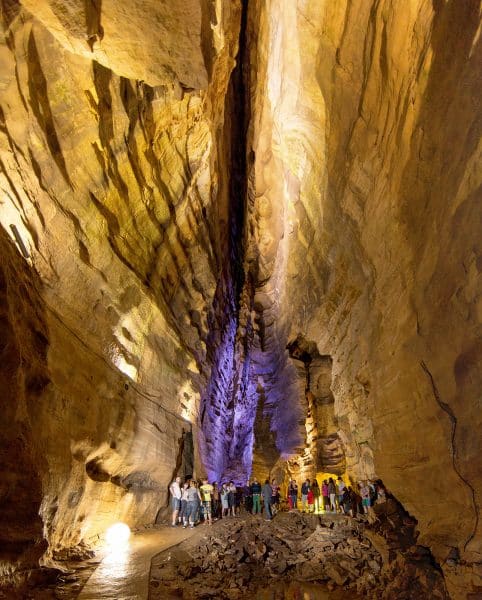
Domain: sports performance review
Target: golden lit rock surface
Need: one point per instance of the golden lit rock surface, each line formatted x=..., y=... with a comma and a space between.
x=161, y=42
x=109, y=187
x=368, y=218
x=349, y=153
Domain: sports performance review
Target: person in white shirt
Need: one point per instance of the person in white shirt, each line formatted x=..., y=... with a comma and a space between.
x=175, y=490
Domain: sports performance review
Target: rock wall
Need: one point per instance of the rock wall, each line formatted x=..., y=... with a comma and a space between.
x=113, y=192
x=186, y=196
x=409, y=143
x=368, y=203
x=23, y=351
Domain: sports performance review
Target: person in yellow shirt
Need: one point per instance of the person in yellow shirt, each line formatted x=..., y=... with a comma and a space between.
x=206, y=493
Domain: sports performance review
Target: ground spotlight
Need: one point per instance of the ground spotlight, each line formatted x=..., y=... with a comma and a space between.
x=117, y=534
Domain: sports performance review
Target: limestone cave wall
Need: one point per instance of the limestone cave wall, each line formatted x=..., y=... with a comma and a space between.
x=368, y=219
x=114, y=195
x=189, y=191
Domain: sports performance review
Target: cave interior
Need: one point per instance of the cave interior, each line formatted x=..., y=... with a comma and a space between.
x=239, y=238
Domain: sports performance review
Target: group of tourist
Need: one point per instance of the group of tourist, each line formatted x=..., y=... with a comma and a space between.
x=191, y=501
x=195, y=501
x=336, y=496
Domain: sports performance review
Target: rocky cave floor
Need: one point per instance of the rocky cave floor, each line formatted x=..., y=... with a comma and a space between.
x=293, y=556
x=75, y=566
x=300, y=555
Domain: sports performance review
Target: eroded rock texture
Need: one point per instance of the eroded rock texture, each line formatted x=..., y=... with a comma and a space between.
x=368, y=171
x=257, y=223
x=113, y=192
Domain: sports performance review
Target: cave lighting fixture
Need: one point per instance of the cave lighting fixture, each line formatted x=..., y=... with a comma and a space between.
x=117, y=535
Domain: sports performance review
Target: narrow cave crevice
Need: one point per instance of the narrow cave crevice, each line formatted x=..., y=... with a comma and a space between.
x=226, y=345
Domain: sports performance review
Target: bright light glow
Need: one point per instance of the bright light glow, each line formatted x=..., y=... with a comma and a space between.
x=118, y=359
x=117, y=534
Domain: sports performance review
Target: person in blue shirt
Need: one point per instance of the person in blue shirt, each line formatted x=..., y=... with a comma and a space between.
x=293, y=493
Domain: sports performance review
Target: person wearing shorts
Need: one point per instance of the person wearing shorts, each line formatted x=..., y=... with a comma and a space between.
x=232, y=498
x=206, y=493
x=365, y=495
x=175, y=491
x=193, y=501
x=224, y=500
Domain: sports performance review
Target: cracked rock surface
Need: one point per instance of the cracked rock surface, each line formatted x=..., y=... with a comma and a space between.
x=249, y=557
x=232, y=234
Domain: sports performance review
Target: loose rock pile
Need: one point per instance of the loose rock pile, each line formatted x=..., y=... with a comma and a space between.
x=237, y=558
x=409, y=570
x=241, y=556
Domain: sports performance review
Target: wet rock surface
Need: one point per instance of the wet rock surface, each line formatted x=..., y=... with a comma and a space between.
x=41, y=583
x=249, y=557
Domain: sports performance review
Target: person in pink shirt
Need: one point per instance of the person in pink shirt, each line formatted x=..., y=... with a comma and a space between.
x=326, y=495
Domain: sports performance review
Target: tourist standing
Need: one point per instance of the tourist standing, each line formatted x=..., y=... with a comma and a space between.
x=305, y=488
x=215, y=501
x=238, y=499
x=182, y=512
x=267, y=492
x=365, y=495
x=326, y=495
x=340, y=489
x=193, y=498
x=248, y=499
x=256, y=494
x=274, y=497
x=232, y=498
x=311, y=500
x=293, y=493
x=332, y=494
x=206, y=494
x=346, y=502
x=224, y=500
x=316, y=495
x=175, y=491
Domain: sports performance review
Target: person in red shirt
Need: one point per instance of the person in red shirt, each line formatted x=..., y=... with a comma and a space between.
x=311, y=500
x=326, y=495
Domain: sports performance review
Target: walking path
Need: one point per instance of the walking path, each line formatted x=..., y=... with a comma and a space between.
x=124, y=573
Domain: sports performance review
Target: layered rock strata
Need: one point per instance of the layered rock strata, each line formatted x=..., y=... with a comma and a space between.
x=187, y=194
x=368, y=142
x=114, y=194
